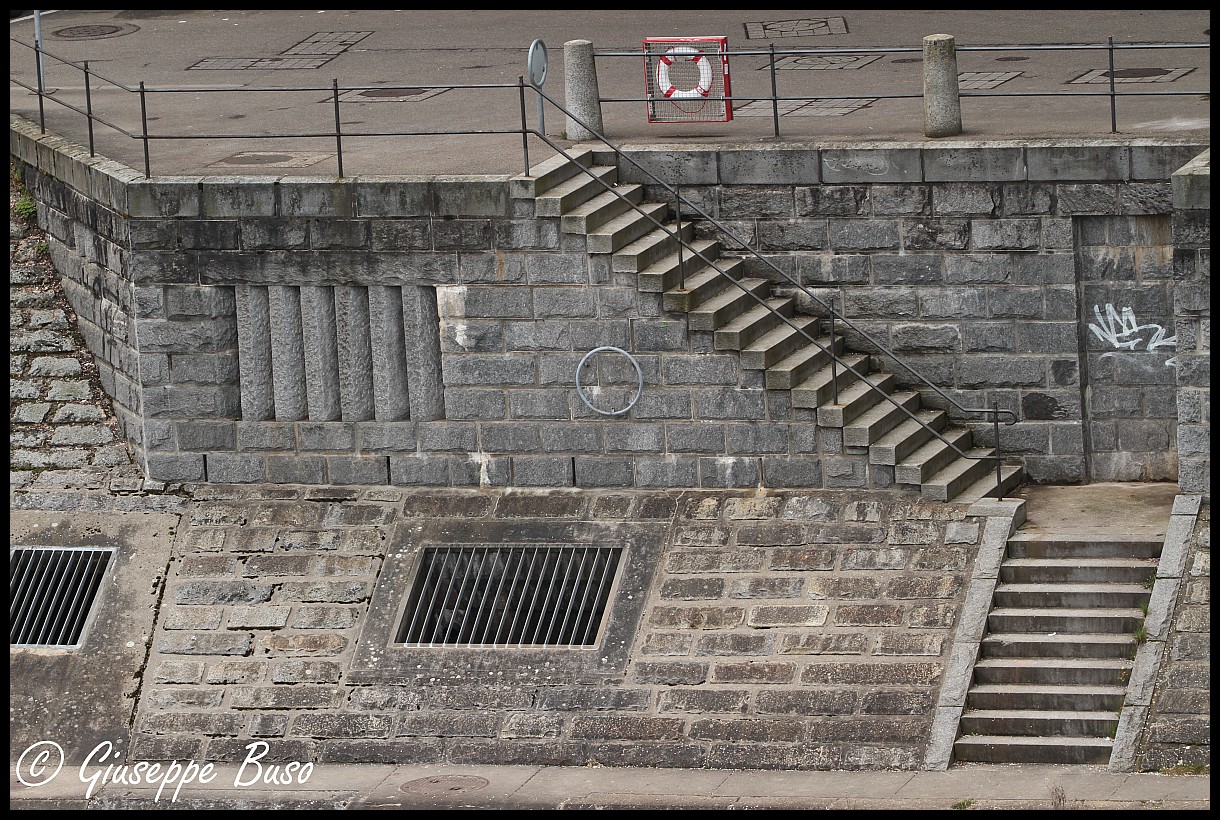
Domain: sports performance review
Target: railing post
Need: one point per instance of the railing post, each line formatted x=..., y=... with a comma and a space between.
x=942, y=105
x=144, y=130
x=999, y=453
x=42, y=114
x=525, y=140
x=774, y=93
x=89, y=108
x=1113, y=101
x=678, y=214
x=834, y=361
x=338, y=129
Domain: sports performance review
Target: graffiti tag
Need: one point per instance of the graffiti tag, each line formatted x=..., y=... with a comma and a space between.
x=1122, y=331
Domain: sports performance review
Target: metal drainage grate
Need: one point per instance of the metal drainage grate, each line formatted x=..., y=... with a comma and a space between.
x=246, y=63
x=327, y=42
x=984, y=79
x=51, y=593
x=501, y=596
x=809, y=27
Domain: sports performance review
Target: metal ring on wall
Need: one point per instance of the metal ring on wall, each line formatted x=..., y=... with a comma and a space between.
x=639, y=375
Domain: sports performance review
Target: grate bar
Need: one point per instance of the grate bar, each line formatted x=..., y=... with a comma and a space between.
x=51, y=593
x=501, y=595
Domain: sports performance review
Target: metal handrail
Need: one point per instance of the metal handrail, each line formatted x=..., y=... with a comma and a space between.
x=994, y=412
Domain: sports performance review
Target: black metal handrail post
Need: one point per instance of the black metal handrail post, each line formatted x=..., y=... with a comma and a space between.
x=834, y=361
x=338, y=128
x=525, y=138
x=774, y=93
x=1113, y=99
x=42, y=114
x=144, y=130
x=89, y=109
x=999, y=451
x=678, y=217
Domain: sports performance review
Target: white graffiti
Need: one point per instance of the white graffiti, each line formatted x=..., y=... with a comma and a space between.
x=1124, y=332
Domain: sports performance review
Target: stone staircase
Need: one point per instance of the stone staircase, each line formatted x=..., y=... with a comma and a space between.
x=1061, y=639
x=737, y=320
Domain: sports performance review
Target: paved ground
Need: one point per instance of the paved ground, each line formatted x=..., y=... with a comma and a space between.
x=236, y=51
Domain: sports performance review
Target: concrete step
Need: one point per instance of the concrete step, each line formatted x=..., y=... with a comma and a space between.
x=949, y=482
x=1074, y=596
x=575, y=191
x=701, y=284
x=621, y=231
x=549, y=173
x=1032, y=545
x=801, y=364
x=1059, y=671
x=907, y=437
x=817, y=389
x=1011, y=477
x=857, y=398
x=1038, y=723
x=879, y=420
x=652, y=248
x=601, y=209
x=1048, y=697
x=933, y=457
x=753, y=323
x=727, y=305
x=773, y=347
x=1078, y=570
x=1064, y=619
x=1004, y=749
x=1061, y=645
x=666, y=273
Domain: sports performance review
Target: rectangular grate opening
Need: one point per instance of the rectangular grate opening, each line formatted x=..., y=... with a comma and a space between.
x=51, y=592
x=509, y=596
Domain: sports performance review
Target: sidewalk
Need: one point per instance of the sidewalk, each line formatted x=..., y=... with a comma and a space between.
x=373, y=786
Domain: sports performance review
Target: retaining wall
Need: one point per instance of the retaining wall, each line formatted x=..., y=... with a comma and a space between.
x=426, y=331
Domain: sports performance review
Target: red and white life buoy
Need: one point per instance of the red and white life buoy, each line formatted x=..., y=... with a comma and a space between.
x=669, y=90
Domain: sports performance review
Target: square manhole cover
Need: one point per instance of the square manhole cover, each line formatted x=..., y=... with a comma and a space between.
x=803, y=108
x=808, y=27
x=274, y=159
x=827, y=62
x=984, y=79
x=327, y=42
x=390, y=94
x=1133, y=75
x=256, y=63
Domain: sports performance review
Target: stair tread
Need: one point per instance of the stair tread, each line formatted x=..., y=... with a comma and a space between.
x=909, y=427
x=648, y=240
x=875, y=414
x=1081, y=663
x=1074, y=586
x=573, y=184
x=1092, y=536
x=1061, y=714
x=858, y=389
x=730, y=294
x=959, y=466
x=1049, y=688
x=935, y=446
x=704, y=274
x=1060, y=637
x=1028, y=740
x=776, y=335
x=822, y=377
x=985, y=486
x=1082, y=611
x=628, y=219
x=1114, y=561
x=601, y=200
x=756, y=313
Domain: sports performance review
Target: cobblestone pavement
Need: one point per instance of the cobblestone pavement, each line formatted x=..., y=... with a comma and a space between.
x=62, y=431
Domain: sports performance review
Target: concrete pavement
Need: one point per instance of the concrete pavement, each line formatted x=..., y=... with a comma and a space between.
x=217, y=58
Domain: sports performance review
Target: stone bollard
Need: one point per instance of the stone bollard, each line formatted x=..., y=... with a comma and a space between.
x=580, y=89
x=942, y=107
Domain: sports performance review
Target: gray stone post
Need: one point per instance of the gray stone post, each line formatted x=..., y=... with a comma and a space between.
x=942, y=107
x=580, y=89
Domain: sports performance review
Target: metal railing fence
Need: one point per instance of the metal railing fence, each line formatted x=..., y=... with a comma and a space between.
x=1110, y=47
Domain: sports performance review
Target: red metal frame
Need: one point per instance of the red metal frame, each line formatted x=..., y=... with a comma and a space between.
x=722, y=47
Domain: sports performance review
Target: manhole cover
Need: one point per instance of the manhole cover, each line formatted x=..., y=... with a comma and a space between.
x=392, y=92
x=96, y=32
x=442, y=784
x=1138, y=72
x=258, y=159
x=1011, y=59
x=909, y=60
x=276, y=159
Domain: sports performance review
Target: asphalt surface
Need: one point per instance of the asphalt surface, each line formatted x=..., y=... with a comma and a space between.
x=217, y=58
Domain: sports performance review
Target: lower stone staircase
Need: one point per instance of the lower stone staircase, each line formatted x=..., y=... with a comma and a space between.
x=1053, y=668
x=744, y=313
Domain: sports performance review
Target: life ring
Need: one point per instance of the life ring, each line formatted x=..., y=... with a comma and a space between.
x=671, y=91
